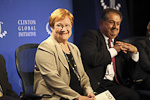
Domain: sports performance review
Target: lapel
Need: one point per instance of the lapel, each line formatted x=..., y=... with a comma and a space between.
x=76, y=56
x=102, y=39
x=74, y=53
x=119, y=59
x=105, y=46
x=60, y=53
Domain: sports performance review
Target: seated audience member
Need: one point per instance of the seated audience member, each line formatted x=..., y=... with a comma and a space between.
x=102, y=49
x=144, y=60
x=6, y=92
x=59, y=71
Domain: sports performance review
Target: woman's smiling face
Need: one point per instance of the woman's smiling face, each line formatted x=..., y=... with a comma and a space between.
x=62, y=30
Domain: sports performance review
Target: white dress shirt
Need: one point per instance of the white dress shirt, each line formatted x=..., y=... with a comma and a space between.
x=110, y=70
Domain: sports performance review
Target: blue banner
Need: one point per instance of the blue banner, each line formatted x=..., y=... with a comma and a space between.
x=21, y=22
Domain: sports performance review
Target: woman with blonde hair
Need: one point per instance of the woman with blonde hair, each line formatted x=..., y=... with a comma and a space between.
x=59, y=71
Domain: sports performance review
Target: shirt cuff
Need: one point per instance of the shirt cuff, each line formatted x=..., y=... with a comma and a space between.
x=135, y=57
x=112, y=52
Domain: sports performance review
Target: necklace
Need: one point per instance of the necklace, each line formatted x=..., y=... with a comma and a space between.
x=73, y=66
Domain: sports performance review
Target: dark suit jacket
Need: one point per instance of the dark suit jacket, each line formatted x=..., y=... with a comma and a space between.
x=144, y=63
x=96, y=57
x=6, y=86
x=144, y=49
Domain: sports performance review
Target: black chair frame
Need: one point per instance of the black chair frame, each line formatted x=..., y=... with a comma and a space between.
x=25, y=56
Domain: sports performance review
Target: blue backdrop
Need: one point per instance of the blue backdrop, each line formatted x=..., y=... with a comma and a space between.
x=24, y=21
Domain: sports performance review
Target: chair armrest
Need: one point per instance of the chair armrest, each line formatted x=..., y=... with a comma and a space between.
x=46, y=96
x=137, y=81
x=35, y=96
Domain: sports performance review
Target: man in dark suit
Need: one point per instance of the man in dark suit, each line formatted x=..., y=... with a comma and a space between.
x=6, y=91
x=144, y=61
x=106, y=62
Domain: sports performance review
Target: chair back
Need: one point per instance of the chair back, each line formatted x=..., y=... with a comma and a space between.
x=133, y=40
x=25, y=61
x=144, y=94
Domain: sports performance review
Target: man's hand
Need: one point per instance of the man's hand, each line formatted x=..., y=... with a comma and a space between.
x=130, y=48
x=126, y=47
x=118, y=46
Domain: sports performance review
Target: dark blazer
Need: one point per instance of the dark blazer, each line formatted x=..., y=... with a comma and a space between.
x=144, y=62
x=6, y=86
x=144, y=49
x=96, y=57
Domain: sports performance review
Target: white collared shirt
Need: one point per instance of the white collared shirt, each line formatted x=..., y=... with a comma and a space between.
x=110, y=70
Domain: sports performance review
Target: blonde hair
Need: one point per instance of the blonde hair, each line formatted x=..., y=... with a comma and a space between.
x=59, y=14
